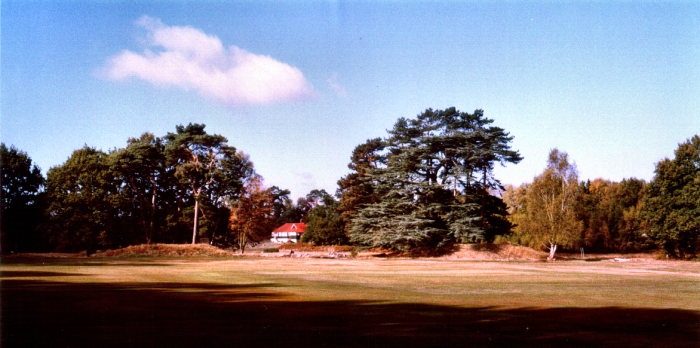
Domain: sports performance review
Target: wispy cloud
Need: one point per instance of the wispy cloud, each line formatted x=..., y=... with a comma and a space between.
x=188, y=58
x=306, y=182
x=337, y=87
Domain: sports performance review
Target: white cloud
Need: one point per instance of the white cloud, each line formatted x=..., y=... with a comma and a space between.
x=187, y=58
x=337, y=87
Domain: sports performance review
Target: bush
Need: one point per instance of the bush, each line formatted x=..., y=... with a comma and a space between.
x=271, y=250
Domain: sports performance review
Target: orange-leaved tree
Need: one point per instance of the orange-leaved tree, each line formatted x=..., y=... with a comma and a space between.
x=252, y=217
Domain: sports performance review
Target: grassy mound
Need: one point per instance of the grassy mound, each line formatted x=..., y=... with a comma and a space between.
x=167, y=250
x=496, y=252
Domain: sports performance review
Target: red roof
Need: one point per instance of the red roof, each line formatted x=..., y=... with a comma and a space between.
x=299, y=227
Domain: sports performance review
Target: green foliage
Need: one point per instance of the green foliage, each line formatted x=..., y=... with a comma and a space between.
x=610, y=215
x=325, y=227
x=146, y=177
x=299, y=211
x=154, y=189
x=280, y=204
x=544, y=211
x=672, y=204
x=325, y=224
x=87, y=209
x=357, y=188
x=428, y=184
x=607, y=216
x=209, y=169
x=22, y=201
x=400, y=223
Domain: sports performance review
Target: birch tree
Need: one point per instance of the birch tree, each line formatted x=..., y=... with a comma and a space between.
x=550, y=211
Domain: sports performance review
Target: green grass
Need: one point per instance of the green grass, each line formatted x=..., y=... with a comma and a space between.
x=348, y=302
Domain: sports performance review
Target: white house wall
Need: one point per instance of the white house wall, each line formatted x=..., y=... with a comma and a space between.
x=285, y=237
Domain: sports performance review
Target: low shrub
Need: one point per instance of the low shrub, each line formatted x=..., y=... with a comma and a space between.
x=151, y=250
x=317, y=248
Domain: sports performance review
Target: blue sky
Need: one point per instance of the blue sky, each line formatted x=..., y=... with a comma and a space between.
x=297, y=85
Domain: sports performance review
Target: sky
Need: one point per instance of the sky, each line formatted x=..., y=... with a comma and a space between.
x=297, y=85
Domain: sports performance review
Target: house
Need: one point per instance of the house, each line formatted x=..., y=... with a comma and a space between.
x=288, y=233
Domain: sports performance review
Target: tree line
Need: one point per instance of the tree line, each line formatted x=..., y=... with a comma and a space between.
x=558, y=210
x=186, y=185
x=427, y=185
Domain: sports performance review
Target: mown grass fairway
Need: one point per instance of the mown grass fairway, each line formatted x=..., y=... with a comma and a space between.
x=207, y=302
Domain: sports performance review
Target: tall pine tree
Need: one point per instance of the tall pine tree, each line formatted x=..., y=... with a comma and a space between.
x=431, y=183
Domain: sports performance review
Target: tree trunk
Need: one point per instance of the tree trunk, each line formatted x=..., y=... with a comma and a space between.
x=552, y=250
x=483, y=203
x=153, y=215
x=194, y=227
x=242, y=239
x=149, y=238
x=142, y=204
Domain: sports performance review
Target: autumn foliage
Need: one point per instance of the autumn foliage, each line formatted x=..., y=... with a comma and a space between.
x=251, y=218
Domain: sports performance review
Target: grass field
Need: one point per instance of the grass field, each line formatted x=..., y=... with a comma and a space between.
x=193, y=302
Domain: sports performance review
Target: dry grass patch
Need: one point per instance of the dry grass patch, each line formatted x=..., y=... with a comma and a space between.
x=380, y=302
x=476, y=252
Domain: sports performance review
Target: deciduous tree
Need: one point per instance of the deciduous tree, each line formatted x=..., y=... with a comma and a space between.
x=543, y=211
x=252, y=218
x=609, y=212
x=325, y=225
x=86, y=208
x=672, y=204
x=22, y=198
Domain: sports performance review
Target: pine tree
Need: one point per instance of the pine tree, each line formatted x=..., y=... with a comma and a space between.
x=210, y=168
x=430, y=186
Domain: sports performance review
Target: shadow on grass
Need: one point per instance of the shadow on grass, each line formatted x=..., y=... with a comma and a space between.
x=85, y=261
x=30, y=274
x=61, y=314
